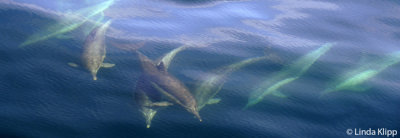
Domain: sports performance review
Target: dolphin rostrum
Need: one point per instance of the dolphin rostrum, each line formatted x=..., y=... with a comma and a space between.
x=287, y=75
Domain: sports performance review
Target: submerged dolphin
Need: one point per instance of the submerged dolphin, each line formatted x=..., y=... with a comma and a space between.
x=94, y=50
x=205, y=92
x=145, y=96
x=155, y=82
x=148, y=99
x=356, y=78
x=291, y=73
x=68, y=23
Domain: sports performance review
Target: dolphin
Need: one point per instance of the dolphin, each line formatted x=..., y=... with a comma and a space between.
x=356, y=78
x=205, y=92
x=168, y=85
x=145, y=96
x=287, y=75
x=148, y=100
x=94, y=50
x=155, y=83
x=70, y=22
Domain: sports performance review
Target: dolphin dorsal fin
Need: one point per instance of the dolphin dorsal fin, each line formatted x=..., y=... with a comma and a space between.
x=161, y=67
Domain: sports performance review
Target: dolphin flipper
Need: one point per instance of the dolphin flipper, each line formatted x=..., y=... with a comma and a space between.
x=73, y=64
x=164, y=103
x=214, y=101
x=107, y=65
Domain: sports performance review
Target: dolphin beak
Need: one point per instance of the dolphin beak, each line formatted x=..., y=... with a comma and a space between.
x=148, y=115
x=94, y=76
x=148, y=121
x=198, y=116
x=196, y=113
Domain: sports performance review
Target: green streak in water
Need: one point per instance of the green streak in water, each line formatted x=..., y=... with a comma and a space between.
x=354, y=79
x=213, y=84
x=73, y=22
x=287, y=75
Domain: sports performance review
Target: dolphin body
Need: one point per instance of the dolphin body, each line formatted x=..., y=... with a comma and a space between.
x=69, y=23
x=205, y=92
x=155, y=83
x=291, y=73
x=355, y=79
x=148, y=99
x=94, y=50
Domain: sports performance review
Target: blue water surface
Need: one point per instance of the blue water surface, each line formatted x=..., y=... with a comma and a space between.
x=41, y=96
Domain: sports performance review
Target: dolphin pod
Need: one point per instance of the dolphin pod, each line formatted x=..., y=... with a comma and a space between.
x=292, y=72
x=69, y=23
x=355, y=79
x=157, y=88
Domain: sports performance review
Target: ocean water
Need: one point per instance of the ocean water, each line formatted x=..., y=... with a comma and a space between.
x=42, y=96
